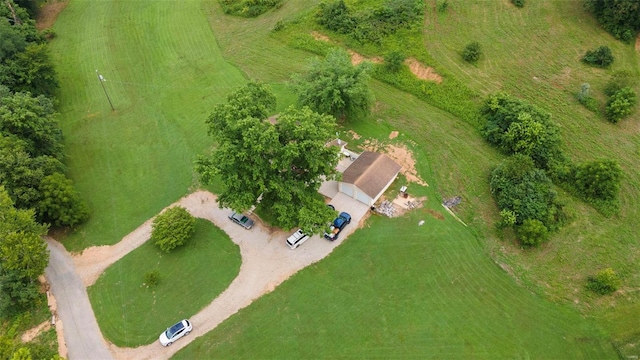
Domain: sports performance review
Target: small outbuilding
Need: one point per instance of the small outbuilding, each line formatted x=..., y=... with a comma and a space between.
x=368, y=177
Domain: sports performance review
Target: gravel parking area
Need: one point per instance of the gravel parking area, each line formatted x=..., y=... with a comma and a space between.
x=266, y=263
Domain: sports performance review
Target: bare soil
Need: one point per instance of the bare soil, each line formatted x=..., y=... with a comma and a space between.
x=400, y=154
x=49, y=12
x=638, y=43
x=423, y=72
x=393, y=135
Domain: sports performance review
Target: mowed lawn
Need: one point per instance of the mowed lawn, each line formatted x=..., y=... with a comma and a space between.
x=392, y=290
x=163, y=72
x=398, y=290
x=131, y=314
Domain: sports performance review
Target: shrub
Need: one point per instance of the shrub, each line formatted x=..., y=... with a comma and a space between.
x=248, y=8
x=532, y=232
x=605, y=282
x=336, y=17
x=585, y=99
x=472, y=52
x=172, y=228
x=393, y=61
x=600, y=57
x=621, y=18
x=517, y=127
x=526, y=192
x=620, y=104
x=618, y=81
x=442, y=6
x=152, y=278
x=518, y=3
x=598, y=180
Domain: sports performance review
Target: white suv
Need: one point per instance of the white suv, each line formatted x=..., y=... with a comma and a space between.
x=296, y=239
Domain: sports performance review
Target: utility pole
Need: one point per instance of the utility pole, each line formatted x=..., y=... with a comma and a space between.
x=102, y=80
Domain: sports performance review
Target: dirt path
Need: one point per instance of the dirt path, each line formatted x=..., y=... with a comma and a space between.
x=266, y=263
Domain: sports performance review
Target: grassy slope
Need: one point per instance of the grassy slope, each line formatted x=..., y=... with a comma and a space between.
x=430, y=290
x=164, y=71
x=534, y=53
x=131, y=314
x=396, y=290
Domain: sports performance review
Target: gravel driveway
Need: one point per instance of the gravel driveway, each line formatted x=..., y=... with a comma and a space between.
x=266, y=263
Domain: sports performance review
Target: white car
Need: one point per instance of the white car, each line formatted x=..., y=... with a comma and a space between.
x=296, y=239
x=175, y=332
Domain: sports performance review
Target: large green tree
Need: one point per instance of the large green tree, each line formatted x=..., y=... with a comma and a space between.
x=33, y=120
x=334, y=86
x=280, y=166
x=619, y=17
x=23, y=255
x=517, y=127
x=60, y=205
x=598, y=180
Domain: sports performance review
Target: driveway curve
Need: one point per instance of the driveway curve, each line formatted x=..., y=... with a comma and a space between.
x=266, y=263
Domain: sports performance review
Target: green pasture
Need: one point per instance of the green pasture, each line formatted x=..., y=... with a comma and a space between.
x=191, y=276
x=163, y=72
x=398, y=290
x=393, y=289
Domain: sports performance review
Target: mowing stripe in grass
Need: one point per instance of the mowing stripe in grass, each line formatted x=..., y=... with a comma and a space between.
x=164, y=72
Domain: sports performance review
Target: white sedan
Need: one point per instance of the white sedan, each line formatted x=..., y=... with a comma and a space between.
x=175, y=332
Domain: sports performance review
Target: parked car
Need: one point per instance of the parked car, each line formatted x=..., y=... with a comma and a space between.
x=296, y=239
x=336, y=227
x=242, y=220
x=175, y=332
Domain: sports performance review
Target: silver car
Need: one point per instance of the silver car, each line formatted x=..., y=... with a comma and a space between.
x=242, y=220
x=175, y=332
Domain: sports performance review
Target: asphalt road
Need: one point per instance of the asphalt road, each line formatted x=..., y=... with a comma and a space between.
x=81, y=332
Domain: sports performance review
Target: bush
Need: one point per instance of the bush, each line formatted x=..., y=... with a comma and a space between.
x=442, y=6
x=618, y=81
x=600, y=57
x=598, y=180
x=532, y=232
x=336, y=17
x=605, y=282
x=152, y=278
x=518, y=3
x=526, y=192
x=393, y=61
x=248, y=8
x=472, y=52
x=621, y=18
x=172, y=228
x=620, y=105
x=517, y=127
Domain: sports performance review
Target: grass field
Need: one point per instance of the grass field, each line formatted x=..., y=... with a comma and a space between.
x=451, y=291
x=132, y=314
x=163, y=80
x=396, y=290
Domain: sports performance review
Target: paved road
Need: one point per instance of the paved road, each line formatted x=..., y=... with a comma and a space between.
x=81, y=332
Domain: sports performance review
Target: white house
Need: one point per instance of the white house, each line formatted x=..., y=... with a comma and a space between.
x=368, y=176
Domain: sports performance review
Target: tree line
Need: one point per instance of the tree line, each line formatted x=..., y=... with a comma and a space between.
x=35, y=192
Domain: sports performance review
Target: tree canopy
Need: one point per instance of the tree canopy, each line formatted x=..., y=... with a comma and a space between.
x=282, y=164
x=23, y=255
x=334, y=86
x=619, y=17
x=517, y=127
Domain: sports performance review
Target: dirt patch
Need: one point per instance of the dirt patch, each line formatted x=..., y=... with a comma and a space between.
x=393, y=135
x=358, y=59
x=423, y=72
x=34, y=331
x=49, y=12
x=354, y=134
x=638, y=43
x=320, y=37
x=435, y=214
x=400, y=154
